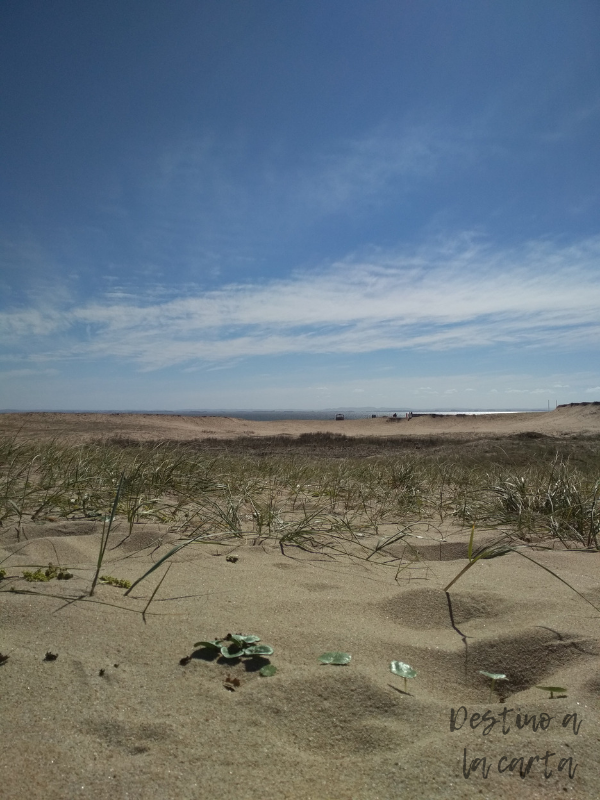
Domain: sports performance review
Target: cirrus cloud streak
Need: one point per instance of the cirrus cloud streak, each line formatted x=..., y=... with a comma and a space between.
x=446, y=295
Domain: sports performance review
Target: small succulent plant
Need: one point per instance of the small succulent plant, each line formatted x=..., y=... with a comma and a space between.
x=237, y=645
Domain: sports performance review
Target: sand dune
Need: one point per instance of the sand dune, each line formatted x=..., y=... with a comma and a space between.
x=579, y=419
x=116, y=715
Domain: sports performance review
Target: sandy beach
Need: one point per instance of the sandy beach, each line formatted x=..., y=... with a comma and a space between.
x=577, y=419
x=130, y=708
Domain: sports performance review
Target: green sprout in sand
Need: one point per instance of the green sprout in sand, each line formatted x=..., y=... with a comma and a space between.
x=552, y=689
x=403, y=670
x=493, y=676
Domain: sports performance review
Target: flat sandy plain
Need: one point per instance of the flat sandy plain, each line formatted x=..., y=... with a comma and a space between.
x=116, y=715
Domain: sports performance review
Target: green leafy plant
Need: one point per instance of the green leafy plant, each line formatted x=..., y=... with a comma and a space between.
x=335, y=658
x=552, y=689
x=267, y=671
x=493, y=676
x=237, y=645
x=39, y=575
x=2, y=574
x=48, y=574
x=403, y=670
x=120, y=582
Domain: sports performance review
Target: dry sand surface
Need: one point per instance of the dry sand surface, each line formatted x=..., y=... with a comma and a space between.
x=564, y=421
x=116, y=715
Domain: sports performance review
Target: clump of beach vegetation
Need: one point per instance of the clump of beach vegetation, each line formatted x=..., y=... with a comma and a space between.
x=320, y=492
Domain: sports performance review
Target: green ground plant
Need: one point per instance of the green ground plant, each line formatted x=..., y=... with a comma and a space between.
x=237, y=645
x=48, y=574
x=120, y=583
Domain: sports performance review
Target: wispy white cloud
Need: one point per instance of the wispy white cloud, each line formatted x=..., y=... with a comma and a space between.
x=32, y=322
x=447, y=295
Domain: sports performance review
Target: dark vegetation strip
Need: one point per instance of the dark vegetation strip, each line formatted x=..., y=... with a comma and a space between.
x=517, y=450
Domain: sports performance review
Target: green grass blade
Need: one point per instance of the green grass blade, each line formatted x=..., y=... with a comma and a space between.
x=105, y=535
x=460, y=574
x=470, y=551
x=562, y=580
x=162, y=561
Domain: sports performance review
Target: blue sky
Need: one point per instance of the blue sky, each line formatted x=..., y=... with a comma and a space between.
x=299, y=203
